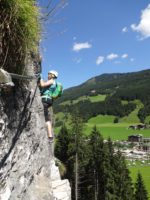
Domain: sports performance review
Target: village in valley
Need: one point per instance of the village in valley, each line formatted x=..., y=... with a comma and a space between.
x=136, y=147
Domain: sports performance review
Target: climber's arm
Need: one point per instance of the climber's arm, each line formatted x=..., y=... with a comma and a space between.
x=46, y=83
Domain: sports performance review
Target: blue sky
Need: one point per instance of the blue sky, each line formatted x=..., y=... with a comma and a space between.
x=87, y=38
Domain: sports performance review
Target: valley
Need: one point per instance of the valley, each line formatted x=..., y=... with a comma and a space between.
x=112, y=109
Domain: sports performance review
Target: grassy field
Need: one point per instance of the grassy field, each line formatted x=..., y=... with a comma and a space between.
x=97, y=98
x=116, y=131
x=133, y=116
x=102, y=119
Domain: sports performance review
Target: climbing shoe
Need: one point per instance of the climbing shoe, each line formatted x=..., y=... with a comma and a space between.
x=50, y=139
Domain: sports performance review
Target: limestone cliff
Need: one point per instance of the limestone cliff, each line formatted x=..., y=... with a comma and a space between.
x=27, y=166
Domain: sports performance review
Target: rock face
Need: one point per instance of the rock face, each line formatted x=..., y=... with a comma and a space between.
x=5, y=79
x=27, y=166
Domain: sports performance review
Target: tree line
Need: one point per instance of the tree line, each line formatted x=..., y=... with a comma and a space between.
x=87, y=109
x=94, y=169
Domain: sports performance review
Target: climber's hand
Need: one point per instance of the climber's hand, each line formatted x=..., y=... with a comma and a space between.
x=39, y=77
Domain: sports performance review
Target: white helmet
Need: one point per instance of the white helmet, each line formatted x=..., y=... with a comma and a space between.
x=53, y=72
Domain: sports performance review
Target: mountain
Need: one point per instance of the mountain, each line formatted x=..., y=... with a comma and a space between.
x=108, y=83
x=116, y=87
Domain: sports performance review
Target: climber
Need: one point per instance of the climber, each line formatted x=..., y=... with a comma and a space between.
x=46, y=87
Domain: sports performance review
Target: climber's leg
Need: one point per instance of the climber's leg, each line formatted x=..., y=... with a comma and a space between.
x=47, y=114
x=49, y=129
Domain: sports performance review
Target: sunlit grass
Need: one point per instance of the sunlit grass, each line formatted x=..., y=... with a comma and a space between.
x=20, y=31
x=133, y=116
x=101, y=119
x=96, y=98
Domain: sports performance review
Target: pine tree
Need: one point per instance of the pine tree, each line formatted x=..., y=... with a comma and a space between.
x=94, y=170
x=77, y=152
x=123, y=182
x=96, y=164
x=140, y=190
x=85, y=170
x=61, y=146
x=100, y=169
x=109, y=181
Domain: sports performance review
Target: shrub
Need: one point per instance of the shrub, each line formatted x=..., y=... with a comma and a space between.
x=116, y=120
x=19, y=32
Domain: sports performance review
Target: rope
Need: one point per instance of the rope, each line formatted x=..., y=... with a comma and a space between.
x=31, y=101
x=17, y=76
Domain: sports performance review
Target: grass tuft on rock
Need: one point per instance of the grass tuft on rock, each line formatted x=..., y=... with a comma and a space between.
x=19, y=32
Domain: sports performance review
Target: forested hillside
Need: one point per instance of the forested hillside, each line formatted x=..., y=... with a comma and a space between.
x=117, y=88
x=87, y=116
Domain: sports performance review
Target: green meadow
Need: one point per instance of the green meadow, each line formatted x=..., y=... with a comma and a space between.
x=96, y=98
x=105, y=123
x=116, y=131
x=133, y=116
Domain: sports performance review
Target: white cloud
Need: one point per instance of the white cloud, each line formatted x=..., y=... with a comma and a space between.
x=100, y=60
x=124, y=55
x=125, y=29
x=79, y=46
x=144, y=25
x=112, y=56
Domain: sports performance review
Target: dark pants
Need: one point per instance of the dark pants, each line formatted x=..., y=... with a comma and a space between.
x=47, y=103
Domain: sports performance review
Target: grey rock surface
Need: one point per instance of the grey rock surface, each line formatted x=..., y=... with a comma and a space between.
x=5, y=78
x=27, y=166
